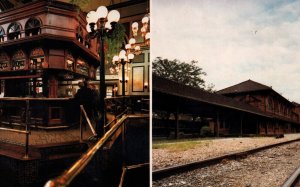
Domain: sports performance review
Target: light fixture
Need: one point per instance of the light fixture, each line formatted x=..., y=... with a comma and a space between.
x=133, y=46
x=146, y=85
x=101, y=24
x=123, y=58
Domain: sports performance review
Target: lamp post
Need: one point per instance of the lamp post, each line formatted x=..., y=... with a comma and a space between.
x=122, y=59
x=101, y=24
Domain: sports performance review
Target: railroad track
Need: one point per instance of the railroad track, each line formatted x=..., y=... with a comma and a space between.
x=178, y=169
x=293, y=180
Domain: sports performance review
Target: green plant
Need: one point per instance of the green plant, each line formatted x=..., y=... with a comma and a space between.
x=115, y=41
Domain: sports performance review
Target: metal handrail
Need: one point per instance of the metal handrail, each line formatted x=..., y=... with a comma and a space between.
x=117, y=117
x=67, y=177
x=125, y=168
x=26, y=132
x=82, y=110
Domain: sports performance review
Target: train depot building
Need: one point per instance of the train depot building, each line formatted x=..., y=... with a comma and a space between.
x=245, y=109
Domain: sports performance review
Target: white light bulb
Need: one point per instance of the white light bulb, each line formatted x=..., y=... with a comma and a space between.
x=145, y=19
x=108, y=25
x=88, y=28
x=113, y=16
x=135, y=25
x=130, y=56
x=131, y=41
x=137, y=48
x=147, y=36
x=127, y=46
x=115, y=58
x=92, y=17
x=102, y=12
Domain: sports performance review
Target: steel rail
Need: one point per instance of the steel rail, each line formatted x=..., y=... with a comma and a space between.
x=173, y=170
x=67, y=177
x=293, y=179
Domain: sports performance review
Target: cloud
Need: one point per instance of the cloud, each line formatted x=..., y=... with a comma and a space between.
x=232, y=40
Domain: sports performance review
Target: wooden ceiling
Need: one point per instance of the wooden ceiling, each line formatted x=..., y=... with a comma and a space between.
x=85, y=5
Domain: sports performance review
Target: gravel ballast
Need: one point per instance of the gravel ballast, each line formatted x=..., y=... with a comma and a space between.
x=269, y=168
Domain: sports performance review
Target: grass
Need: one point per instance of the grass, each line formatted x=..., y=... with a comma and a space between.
x=180, y=145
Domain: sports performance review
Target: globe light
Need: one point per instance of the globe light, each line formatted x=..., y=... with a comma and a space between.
x=131, y=41
x=147, y=36
x=130, y=56
x=92, y=17
x=122, y=55
x=113, y=16
x=88, y=28
x=137, y=48
x=145, y=19
x=102, y=12
x=115, y=58
x=108, y=25
x=135, y=25
x=127, y=46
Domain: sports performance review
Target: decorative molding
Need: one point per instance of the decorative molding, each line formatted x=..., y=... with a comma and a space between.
x=37, y=52
x=19, y=55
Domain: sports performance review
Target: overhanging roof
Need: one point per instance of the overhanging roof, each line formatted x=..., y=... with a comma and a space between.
x=162, y=85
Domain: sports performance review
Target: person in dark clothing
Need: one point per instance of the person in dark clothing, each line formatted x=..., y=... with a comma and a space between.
x=85, y=97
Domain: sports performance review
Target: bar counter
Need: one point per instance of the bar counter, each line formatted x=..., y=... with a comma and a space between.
x=39, y=112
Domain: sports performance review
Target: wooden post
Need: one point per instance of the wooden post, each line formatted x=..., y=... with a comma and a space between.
x=218, y=125
x=241, y=124
x=177, y=122
x=257, y=127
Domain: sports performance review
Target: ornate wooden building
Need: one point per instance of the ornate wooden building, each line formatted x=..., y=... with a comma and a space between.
x=45, y=51
x=248, y=108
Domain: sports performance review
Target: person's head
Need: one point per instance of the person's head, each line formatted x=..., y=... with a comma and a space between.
x=80, y=84
x=86, y=83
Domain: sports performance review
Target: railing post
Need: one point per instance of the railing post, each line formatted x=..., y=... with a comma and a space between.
x=27, y=130
x=80, y=123
x=26, y=145
x=123, y=142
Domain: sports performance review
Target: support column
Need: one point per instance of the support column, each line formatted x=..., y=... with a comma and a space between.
x=177, y=122
x=257, y=127
x=218, y=125
x=53, y=87
x=241, y=124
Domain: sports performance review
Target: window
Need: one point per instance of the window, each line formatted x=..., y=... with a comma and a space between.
x=18, y=61
x=4, y=61
x=82, y=67
x=14, y=31
x=37, y=58
x=32, y=27
x=70, y=61
x=2, y=33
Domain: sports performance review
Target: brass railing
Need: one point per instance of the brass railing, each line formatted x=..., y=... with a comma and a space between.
x=115, y=120
x=67, y=177
x=82, y=111
x=124, y=171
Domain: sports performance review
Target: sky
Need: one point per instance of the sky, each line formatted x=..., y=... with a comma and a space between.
x=232, y=40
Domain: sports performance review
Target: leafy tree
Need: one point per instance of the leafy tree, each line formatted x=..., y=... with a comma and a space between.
x=186, y=73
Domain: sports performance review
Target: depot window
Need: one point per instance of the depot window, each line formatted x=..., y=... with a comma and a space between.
x=14, y=31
